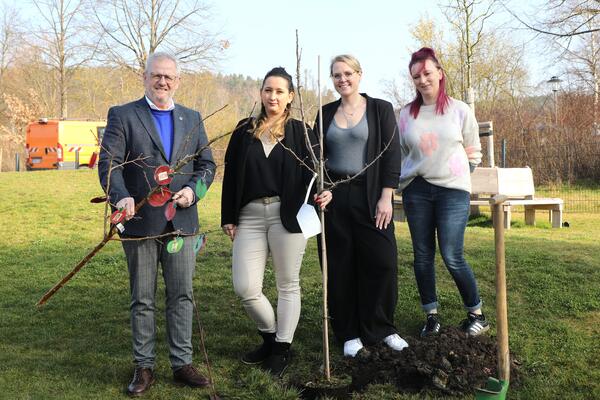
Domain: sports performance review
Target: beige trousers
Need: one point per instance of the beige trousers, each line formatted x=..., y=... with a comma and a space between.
x=259, y=232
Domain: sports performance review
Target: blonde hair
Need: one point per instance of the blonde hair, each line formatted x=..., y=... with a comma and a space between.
x=348, y=59
x=277, y=129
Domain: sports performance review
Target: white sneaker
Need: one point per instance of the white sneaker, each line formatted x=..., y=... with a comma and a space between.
x=395, y=342
x=352, y=346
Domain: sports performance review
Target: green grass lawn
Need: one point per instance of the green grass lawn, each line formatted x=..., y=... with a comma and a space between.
x=78, y=345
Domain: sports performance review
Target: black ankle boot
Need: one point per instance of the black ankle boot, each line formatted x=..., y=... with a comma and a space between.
x=279, y=359
x=261, y=353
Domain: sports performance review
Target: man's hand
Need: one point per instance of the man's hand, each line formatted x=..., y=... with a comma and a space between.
x=128, y=204
x=184, y=198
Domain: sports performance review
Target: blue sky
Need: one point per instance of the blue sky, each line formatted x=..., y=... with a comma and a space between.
x=262, y=35
x=377, y=32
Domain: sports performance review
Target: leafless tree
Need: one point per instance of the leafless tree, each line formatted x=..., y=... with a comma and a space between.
x=563, y=18
x=582, y=63
x=9, y=38
x=392, y=91
x=62, y=40
x=571, y=26
x=132, y=29
x=468, y=18
x=497, y=69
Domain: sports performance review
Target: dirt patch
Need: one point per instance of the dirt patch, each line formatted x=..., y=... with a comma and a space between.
x=449, y=363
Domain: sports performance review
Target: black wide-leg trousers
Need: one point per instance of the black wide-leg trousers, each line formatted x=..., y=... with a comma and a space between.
x=362, y=268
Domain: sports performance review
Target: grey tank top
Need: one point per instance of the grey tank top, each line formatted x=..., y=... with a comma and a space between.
x=347, y=147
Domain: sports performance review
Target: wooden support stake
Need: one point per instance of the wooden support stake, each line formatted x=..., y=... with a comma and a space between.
x=501, y=299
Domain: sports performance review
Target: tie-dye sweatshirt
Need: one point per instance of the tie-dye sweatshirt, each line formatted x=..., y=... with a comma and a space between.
x=439, y=147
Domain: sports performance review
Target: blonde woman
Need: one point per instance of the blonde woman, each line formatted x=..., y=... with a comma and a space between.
x=263, y=188
x=361, y=131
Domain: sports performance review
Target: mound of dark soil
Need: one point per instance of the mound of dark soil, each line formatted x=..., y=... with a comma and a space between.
x=449, y=363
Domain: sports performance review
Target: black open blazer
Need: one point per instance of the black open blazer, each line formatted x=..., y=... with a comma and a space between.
x=296, y=176
x=385, y=171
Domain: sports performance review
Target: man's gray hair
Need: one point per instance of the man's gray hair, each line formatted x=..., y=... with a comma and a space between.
x=157, y=55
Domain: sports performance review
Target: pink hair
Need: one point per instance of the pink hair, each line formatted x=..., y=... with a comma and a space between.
x=442, y=101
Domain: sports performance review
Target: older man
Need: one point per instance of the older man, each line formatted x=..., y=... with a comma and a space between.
x=155, y=131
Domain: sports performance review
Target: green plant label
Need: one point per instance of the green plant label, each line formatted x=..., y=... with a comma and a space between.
x=201, y=189
x=175, y=245
x=199, y=243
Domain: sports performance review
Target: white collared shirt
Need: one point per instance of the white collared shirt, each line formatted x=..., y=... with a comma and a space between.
x=154, y=107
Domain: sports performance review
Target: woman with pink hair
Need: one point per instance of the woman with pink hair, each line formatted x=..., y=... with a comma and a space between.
x=439, y=140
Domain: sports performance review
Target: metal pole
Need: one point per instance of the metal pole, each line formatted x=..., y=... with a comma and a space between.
x=503, y=153
x=17, y=162
x=491, y=149
x=77, y=159
x=555, y=107
x=487, y=129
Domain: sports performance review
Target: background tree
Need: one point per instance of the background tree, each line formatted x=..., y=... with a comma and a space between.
x=132, y=29
x=468, y=18
x=60, y=37
x=498, y=72
x=425, y=33
x=581, y=65
x=571, y=28
x=563, y=18
x=10, y=38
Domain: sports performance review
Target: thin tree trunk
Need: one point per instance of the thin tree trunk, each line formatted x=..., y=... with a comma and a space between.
x=323, y=241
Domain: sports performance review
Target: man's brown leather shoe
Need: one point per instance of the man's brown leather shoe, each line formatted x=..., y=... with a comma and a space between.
x=188, y=375
x=143, y=378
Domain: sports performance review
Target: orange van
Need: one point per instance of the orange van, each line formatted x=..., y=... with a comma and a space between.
x=62, y=144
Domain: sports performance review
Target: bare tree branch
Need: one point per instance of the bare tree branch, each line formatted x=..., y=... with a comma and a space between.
x=10, y=37
x=563, y=18
x=60, y=39
x=133, y=29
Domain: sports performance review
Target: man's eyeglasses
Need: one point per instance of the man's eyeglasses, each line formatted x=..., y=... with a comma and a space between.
x=347, y=75
x=158, y=77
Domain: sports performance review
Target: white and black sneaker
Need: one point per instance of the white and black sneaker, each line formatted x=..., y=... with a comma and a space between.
x=474, y=325
x=432, y=326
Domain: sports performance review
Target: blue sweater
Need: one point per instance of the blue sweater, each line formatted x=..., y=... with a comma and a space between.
x=164, y=124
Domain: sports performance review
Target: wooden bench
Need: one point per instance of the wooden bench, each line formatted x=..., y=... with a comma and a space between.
x=516, y=183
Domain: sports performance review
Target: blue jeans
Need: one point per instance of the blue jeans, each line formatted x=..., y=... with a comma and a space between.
x=430, y=208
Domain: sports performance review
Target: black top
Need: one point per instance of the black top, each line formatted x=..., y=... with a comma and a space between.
x=295, y=177
x=263, y=174
x=383, y=146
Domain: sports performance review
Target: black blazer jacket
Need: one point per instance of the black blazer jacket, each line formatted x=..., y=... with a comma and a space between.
x=131, y=134
x=385, y=171
x=296, y=176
